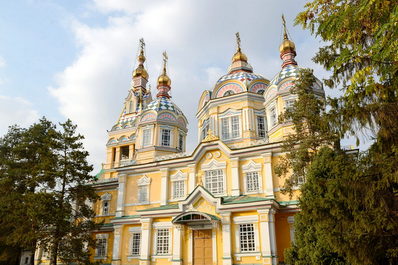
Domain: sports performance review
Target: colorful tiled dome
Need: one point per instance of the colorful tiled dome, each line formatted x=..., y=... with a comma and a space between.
x=163, y=103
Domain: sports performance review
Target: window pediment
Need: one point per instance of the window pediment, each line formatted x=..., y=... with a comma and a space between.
x=144, y=180
x=252, y=166
x=178, y=176
x=214, y=164
x=106, y=197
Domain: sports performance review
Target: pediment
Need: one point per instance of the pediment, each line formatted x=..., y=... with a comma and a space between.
x=200, y=197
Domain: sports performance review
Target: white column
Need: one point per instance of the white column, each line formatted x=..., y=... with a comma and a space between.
x=117, y=236
x=177, y=258
x=290, y=220
x=146, y=227
x=192, y=179
x=235, y=176
x=164, y=185
x=226, y=238
x=120, y=195
x=269, y=184
x=267, y=238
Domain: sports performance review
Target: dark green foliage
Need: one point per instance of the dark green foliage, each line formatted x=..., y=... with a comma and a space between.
x=349, y=201
x=44, y=193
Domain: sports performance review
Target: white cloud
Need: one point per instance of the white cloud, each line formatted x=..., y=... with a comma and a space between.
x=15, y=110
x=2, y=62
x=199, y=38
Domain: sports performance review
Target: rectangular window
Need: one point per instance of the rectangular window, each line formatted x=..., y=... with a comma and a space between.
x=180, y=142
x=178, y=189
x=100, y=250
x=289, y=104
x=272, y=116
x=162, y=241
x=146, y=137
x=105, y=208
x=135, y=244
x=214, y=181
x=143, y=193
x=230, y=128
x=205, y=129
x=252, y=183
x=124, y=152
x=246, y=238
x=165, y=137
x=261, y=126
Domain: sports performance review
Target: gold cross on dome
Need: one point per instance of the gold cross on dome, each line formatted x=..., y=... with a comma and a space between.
x=142, y=43
x=165, y=57
x=238, y=40
x=284, y=28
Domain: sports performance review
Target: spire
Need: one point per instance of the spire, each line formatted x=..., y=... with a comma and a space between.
x=140, y=70
x=164, y=81
x=239, y=60
x=239, y=55
x=287, y=48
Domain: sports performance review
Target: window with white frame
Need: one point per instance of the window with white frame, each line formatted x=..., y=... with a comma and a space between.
x=165, y=137
x=205, y=129
x=101, y=245
x=143, y=193
x=143, y=189
x=230, y=128
x=105, y=207
x=289, y=104
x=247, y=242
x=180, y=142
x=178, y=189
x=162, y=241
x=146, y=137
x=272, y=116
x=261, y=126
x=135, y=243
x=214, y=181
x=106, y=198
x=252, y=182
x=252, y=177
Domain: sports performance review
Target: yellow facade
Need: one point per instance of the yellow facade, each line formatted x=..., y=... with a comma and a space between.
x=220, y=204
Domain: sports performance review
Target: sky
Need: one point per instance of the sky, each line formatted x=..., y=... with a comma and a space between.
x=73, y=59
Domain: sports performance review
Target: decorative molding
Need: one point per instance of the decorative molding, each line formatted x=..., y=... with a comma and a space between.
x=106, y=197
x=210, y=137
x=102, y=236
x=144, y=180
x=245, y=219
x=179, y=176
x=214, y=164
x=158, y=225
x=251, y=166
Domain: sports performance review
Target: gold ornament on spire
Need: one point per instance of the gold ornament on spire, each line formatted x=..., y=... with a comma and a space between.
x=239, y=55
x=140, y=70
x=287, y=45
x=163, y=78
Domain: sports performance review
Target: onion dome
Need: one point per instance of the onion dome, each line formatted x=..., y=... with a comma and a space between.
x=140, y=70
x=287, y=48
x=239, y=59
x=164, y=80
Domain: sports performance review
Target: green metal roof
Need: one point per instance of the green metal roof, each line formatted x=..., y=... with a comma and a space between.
x=98, y=175
x=163, y=207
x=127, y=217
x=285, y=203
x=243, y=199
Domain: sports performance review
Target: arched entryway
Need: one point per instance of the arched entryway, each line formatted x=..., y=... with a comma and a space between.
x=201, y=234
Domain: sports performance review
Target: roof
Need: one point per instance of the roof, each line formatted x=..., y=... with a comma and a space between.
x=127, y=217
x=243, y=199
x=290, y=70
x=241, y=76
x=164, y=103
x=163, y=207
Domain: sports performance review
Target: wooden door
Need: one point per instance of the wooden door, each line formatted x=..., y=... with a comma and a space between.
x=202, y=247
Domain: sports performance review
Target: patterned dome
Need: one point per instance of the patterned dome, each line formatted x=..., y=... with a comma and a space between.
x=163, y=103
x=290, y=70
x=241, y=76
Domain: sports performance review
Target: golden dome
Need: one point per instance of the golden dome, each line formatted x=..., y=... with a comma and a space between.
x=287, y=45
x=164, y=80
x=140, y=71
x=239, y=56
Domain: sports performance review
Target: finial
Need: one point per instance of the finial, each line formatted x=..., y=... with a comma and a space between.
x=140, y=70
x=285, y=36
x=165, y=59
x=237, y=40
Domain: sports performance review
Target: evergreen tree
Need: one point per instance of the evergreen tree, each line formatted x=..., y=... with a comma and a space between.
x=348, y=203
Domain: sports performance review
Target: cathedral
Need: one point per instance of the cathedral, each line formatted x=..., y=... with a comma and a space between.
x=222, y=203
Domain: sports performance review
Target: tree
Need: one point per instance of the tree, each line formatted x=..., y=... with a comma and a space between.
x=44, y=177
x=349, y=202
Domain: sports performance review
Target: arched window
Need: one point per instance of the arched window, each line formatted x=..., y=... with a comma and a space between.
x=229, y=92
x=261, y=91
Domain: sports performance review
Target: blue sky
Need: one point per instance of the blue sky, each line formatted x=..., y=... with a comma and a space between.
x=73, y=59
